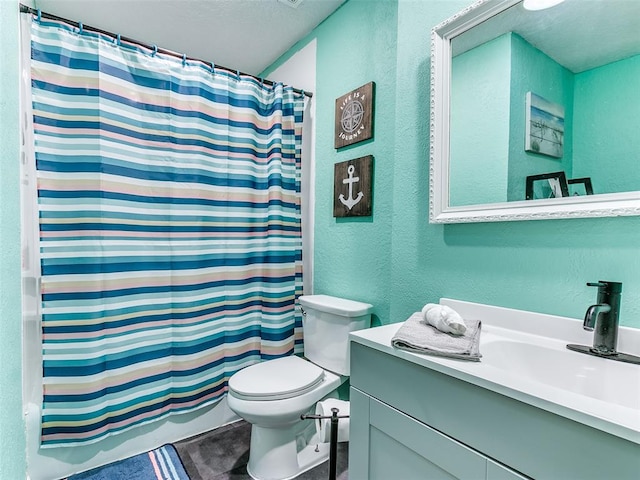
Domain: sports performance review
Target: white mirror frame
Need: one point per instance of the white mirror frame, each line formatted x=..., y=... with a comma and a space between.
x=602, y=205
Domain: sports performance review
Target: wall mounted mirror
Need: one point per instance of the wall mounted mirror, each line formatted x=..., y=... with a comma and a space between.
x=535, y=114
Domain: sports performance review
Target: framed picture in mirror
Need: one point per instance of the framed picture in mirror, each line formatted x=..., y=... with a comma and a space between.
x=544, y=126
x=546, y=185
x=580, y=186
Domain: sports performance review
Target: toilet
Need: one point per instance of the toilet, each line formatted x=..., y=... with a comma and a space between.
x=273, y=394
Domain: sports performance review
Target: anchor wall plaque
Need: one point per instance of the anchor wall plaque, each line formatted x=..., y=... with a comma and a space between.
x=352, y=187
x=354, y=116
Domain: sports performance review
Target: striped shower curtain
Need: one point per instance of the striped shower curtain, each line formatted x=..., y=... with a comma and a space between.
x=169, y=220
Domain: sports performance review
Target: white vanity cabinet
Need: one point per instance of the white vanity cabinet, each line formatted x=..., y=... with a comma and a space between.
x=397, y=446
x=409, y=421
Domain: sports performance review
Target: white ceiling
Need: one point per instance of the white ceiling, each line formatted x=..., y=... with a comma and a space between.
x=245, y=35
x=579, y=34
x=249, y=35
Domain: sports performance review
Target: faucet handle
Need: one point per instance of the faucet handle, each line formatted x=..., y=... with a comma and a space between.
x=607, y=287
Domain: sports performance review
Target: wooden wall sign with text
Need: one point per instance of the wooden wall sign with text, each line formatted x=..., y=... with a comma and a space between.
x=352, y=187
x=354, y=116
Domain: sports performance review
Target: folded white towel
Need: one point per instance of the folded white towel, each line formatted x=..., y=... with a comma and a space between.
x=444, y=318
x=416, y=336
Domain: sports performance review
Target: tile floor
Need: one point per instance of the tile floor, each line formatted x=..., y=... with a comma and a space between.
x=223, y=453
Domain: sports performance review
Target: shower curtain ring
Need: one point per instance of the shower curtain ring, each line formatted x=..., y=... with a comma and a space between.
x=118, y=40
x=39, y=15
x=238, y=74
x=80, y=28
x=184, y=59
x=213, y=68
x=155, y=50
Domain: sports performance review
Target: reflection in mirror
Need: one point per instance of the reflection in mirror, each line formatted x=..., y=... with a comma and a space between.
x=539, y=92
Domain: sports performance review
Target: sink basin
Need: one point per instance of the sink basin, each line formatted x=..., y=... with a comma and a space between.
x=525, y=358
x=555, y=366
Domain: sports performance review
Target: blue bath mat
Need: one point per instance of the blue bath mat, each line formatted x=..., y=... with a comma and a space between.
x=160, y=464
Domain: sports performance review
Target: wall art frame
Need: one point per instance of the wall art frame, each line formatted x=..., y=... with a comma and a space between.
x=354, y=116
x=353, y=187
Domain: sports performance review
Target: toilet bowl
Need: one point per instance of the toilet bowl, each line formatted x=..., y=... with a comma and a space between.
x=273, y=394
x=274, y=413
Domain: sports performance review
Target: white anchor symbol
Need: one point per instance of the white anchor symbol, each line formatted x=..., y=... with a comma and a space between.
x=350, y=202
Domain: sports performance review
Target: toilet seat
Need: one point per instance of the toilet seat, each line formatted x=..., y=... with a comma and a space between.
x=277, y=379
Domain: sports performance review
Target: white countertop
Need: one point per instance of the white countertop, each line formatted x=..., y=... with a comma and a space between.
x=601, y=393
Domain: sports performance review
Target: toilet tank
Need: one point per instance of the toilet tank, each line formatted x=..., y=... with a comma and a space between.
x=326, y=323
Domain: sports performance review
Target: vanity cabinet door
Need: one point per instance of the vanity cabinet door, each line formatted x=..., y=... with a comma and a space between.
x=386, y=443
x=402, y=447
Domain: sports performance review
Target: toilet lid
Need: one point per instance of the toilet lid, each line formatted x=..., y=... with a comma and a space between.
x=277, y=379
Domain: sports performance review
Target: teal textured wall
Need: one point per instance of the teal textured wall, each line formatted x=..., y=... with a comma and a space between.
x=358, y=45
x=540, y=266
x=12, y=436
x=607, y=105
x=489, y=83
x=479, y=128
x=533, y=71
x=396, y=260
x=488, y=90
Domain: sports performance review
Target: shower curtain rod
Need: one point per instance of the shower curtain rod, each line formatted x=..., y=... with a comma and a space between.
x=26, y=9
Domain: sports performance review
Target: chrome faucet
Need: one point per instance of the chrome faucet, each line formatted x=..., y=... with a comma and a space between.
x=602, y=319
